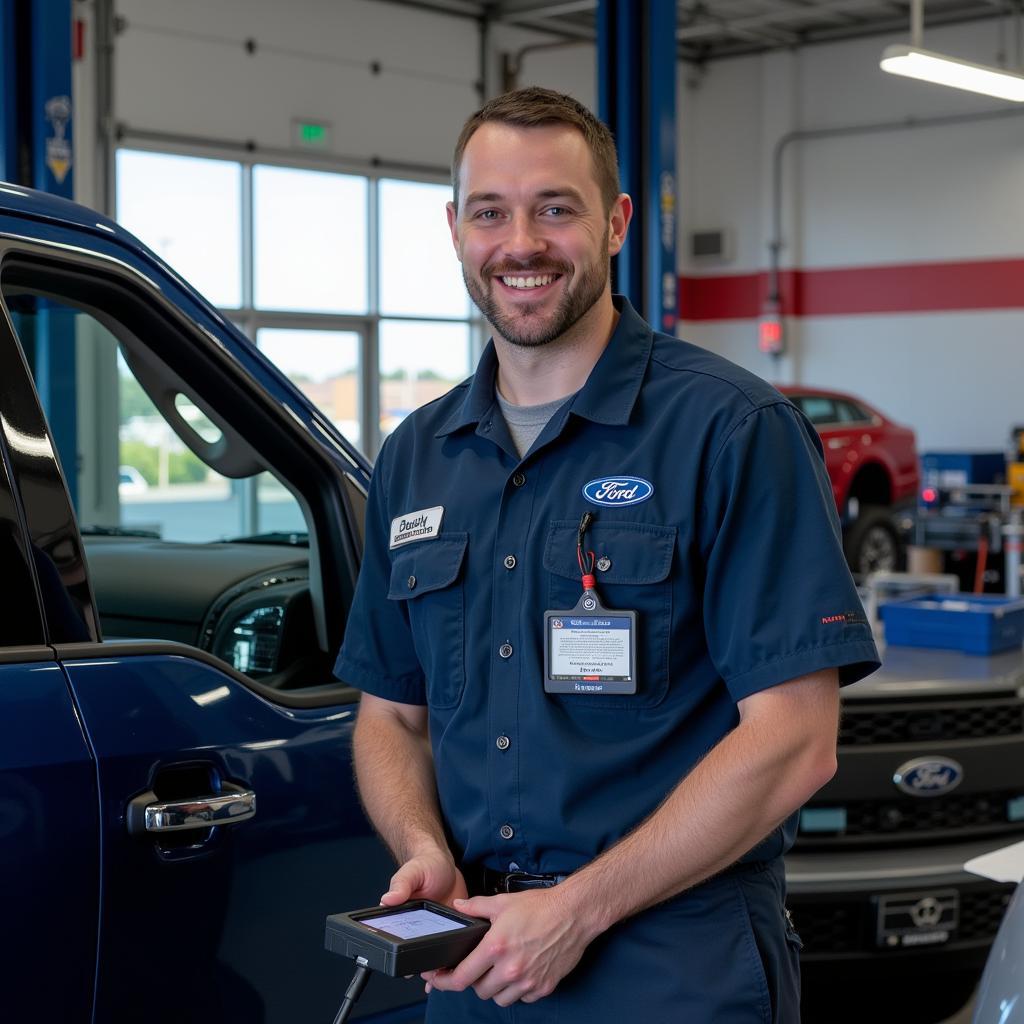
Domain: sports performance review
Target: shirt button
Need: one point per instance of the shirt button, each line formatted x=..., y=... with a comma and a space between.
x=505, y=650
x=506, y=831
x=510, y=561
x=604, y=563
x=411, y=582
x=503, y=742
x=519, y=479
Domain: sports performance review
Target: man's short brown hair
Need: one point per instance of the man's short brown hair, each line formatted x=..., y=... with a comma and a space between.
x=534, y=107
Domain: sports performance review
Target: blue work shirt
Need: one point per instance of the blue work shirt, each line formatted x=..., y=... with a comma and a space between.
x=733, y=563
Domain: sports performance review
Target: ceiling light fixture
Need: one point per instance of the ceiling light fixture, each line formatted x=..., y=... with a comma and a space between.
x=915, y=62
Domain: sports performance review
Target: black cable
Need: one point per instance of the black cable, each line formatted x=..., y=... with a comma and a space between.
x=354, y=991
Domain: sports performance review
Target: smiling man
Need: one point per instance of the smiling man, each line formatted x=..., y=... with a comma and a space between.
x=602, y=674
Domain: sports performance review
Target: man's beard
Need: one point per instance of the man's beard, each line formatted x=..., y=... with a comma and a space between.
x=516, y=327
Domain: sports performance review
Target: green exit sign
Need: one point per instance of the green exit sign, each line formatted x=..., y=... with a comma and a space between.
x=311, y=134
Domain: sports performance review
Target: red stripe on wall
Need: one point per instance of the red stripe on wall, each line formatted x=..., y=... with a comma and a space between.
x=899, y=288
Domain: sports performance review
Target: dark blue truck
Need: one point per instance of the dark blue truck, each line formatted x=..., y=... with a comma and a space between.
x=177, y=808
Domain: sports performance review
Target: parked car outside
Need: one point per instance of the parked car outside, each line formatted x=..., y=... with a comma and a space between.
x=131, y=481
x=872, y=464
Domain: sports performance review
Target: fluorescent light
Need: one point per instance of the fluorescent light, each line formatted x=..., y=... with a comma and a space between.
x=913, y=62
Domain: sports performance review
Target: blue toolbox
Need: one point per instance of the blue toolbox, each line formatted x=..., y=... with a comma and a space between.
x=973, y=623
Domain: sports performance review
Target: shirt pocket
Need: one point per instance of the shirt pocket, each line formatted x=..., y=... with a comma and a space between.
x=427, y=577
x=637, y=578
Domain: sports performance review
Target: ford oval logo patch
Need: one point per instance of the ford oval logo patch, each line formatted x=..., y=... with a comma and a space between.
x=929, y=776
x=616, y=491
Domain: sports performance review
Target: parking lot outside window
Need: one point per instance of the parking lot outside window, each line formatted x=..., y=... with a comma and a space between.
x=162, y=487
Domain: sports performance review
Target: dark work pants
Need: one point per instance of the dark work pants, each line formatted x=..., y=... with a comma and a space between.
x=721, y=953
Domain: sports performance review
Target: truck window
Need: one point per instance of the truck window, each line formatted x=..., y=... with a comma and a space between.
x=135, y=474
x=194, y=527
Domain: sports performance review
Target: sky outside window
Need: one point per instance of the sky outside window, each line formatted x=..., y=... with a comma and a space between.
x=188, y=210
x=310, y=240
x=419, y=272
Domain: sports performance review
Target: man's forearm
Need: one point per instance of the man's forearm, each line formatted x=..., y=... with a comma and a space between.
x=746, y=786
x=395, y=773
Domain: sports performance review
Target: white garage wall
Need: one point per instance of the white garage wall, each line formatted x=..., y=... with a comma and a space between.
x=944, y=194
x=183, y=68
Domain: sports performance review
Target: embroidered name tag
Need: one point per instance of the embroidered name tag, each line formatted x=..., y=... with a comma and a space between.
x=422, y=525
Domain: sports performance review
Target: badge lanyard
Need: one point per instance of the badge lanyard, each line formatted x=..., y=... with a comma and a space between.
x=589, y=649
x=586, y=563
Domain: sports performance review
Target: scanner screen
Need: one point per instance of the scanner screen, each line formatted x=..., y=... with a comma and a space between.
x=413, y=924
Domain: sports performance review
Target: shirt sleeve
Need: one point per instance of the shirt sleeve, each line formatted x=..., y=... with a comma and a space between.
x=779, y=600
x=377, y=654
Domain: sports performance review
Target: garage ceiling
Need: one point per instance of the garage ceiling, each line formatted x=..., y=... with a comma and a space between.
x=712, y=29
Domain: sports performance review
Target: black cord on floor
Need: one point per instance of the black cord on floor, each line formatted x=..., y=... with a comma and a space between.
x=354, y=991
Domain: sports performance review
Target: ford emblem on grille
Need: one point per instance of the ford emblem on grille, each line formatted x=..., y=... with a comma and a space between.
x=929, y=776
x=613, y=491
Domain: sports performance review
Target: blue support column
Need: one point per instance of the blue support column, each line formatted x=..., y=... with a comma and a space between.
x=49, y=128
x=637, y=100
x=51, y=97
x=8, y=93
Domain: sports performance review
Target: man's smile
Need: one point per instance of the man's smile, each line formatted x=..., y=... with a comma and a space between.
x=536, y=281
x=533, y=285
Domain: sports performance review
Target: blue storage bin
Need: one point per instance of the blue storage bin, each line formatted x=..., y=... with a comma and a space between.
x=974, y=623
x=957, y=469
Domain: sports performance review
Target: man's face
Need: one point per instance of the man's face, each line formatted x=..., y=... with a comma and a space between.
x=531, y=230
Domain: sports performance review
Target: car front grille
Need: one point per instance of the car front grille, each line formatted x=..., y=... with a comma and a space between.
x=885, y=822
x=847, y=924
x=931, y=722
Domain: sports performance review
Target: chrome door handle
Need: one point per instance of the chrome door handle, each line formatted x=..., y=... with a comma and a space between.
x=149, y=816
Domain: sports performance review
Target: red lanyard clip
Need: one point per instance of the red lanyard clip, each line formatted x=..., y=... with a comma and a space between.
x=585, y=559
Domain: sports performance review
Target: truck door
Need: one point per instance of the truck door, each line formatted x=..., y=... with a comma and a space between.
x=228, y=819
x=49, y=835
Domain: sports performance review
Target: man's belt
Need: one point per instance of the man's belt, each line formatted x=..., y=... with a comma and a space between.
x=494, y=883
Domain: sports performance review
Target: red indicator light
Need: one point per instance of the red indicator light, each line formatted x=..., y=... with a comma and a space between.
x=929, y=494
x=769, y=334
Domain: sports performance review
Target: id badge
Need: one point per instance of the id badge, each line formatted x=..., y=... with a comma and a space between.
x=590, y=649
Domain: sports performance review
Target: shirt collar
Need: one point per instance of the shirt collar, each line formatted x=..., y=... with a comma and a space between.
x=609, y=393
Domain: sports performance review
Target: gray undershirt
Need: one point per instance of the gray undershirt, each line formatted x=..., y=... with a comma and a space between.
x=525, y=422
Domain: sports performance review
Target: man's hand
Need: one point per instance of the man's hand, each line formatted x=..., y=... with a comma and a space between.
x=534, y=941
x=429, y=875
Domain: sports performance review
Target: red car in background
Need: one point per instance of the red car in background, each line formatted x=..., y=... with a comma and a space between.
x=873, y=466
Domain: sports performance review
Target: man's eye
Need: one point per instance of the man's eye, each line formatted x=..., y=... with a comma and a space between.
x=488, y=215
x=557, y=211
